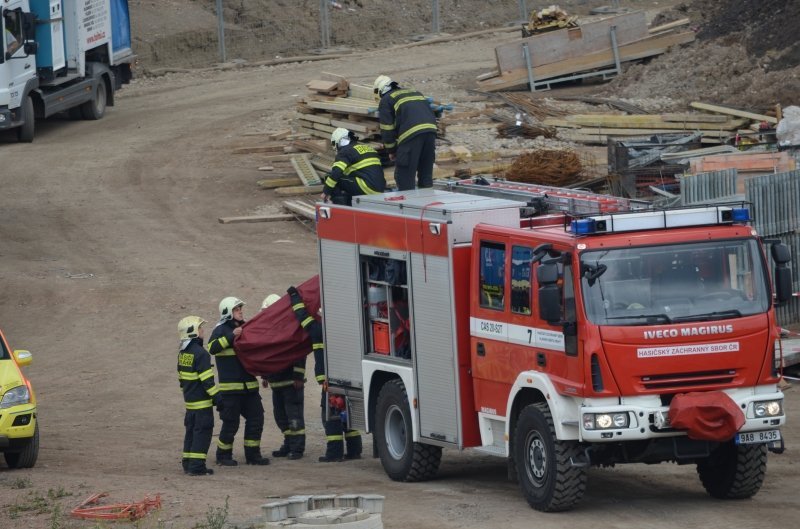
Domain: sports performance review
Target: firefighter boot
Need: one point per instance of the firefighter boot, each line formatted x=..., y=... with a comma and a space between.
x=254, y=457
x=200, y=471
x=283, y=451
x=225, y=458
x=353, y=441
x=185, y=464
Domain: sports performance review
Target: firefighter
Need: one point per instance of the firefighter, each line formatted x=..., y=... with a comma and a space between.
x=287, y=403
x=408, y=131
x=196, y=378
x=335, y=433
x=356, y=170
x=238, y=389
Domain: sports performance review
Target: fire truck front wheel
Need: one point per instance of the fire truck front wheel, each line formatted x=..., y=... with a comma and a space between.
x=402, y=459
x=547, y=478
x=734, y=471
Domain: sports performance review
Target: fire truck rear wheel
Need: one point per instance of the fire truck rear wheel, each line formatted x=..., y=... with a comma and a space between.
x=734, y=471
x=548, y=480
x=402, y=459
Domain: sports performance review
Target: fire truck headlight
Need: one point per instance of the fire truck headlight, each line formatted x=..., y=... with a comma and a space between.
x=768, y=408
x=605, y=421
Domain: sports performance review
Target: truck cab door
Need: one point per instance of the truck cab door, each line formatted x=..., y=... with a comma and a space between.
x=559, y=344
x=18, y=66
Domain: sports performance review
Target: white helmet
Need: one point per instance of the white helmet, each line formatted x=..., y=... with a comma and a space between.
x=269, y=300
x=338, y=135
x=189, y=327
x=382, y=84
x=227, y=305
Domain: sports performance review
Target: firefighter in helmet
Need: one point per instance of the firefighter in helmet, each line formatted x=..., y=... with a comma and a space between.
x=334, y=419
x=287, y=402
x=408, y=131
x=238, y=389
x=196, y=378
x=356, y=170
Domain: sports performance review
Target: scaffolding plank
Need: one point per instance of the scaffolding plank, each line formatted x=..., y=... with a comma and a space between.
x=306, y=172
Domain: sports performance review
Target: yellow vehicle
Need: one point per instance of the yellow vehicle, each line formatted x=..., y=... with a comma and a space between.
x=19, y=430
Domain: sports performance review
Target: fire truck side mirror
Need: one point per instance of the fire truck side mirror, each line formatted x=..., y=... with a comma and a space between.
x=549, y=293
x=783, y=273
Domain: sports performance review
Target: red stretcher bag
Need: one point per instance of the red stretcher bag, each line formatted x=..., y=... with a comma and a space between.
x=273, y=340
x=710, y=416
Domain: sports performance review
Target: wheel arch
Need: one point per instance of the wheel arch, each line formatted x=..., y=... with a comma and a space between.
x=532, y=387
x=104, y=75
x=377, y=376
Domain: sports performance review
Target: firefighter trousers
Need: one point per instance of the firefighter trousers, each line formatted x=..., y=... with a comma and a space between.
x=414, y=161
x=336, y=436
x=234, y=406
x=199, y=426
x=287, y=407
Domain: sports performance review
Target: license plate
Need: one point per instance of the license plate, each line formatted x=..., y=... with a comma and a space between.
x=767, y=436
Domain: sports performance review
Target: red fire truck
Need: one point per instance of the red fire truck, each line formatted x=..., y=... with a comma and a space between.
x=555, y=328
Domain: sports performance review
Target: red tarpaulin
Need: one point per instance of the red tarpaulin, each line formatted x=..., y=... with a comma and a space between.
x=273, y=339
x=711, y=416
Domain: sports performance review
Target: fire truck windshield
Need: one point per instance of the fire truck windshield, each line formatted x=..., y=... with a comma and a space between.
x=654, y=285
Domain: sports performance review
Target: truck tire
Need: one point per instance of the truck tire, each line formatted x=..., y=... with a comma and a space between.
x=734, y=471
x=96, y=107
x=402, y=459
x=548, y=480
x=26, y=131
x=28, y=456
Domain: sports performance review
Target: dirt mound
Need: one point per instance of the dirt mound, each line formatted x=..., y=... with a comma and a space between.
x=745, y=55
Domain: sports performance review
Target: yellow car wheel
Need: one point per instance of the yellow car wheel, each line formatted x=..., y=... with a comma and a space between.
x=25, y=458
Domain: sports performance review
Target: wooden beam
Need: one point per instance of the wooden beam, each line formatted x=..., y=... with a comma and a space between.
x=274, y=183
x=668, y=26
x=257, y=218
x=299, y=190
x=265, y=148
x=645, y=121
x=732, y=112
x=301, y=208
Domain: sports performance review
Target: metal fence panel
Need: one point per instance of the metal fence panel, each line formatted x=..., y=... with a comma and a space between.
x=776, y=202
x=708, y=187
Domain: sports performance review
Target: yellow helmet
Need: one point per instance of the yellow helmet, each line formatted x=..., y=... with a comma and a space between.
x=382, y=84
x=189, y=327
x=227, y=305
x=269, y=300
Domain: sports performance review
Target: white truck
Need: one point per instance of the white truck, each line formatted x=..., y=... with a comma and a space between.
x=61, y=55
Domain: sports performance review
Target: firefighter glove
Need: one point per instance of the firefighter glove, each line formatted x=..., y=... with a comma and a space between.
x=292, y=291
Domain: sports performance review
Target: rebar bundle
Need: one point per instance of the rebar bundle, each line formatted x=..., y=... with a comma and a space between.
x=546, y=166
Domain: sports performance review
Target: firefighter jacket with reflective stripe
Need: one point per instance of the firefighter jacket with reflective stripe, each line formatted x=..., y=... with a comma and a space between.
x=404, y=114
x=286, y=378
x=196, y=375
x=357, y=162
x=232, y=376
x=314, y=329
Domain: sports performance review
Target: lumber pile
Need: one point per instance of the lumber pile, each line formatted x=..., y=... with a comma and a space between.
x=558, y=55
x=334, y=102
x=548, y=19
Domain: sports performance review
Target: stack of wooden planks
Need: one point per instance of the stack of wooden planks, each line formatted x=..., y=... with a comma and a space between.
x=597, y=128
x=571, y=51
x=335, y=102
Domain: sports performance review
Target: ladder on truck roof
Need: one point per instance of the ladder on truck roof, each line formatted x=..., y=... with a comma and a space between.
x=544, y=199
